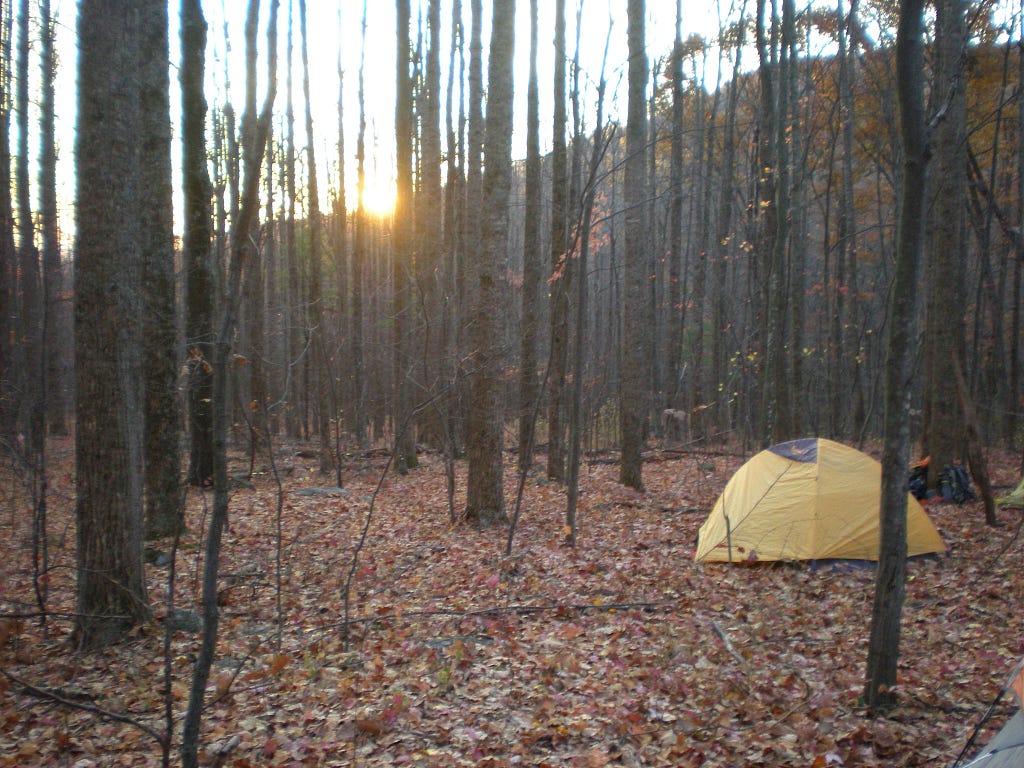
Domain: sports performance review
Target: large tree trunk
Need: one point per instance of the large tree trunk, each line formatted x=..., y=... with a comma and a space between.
x=945, y=275
x=633, y=393
x=160, y=359
x=485, y=497
x=108, y=312
x=890, y=586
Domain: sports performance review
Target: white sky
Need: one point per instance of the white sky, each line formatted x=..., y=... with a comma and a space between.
x=326, y=34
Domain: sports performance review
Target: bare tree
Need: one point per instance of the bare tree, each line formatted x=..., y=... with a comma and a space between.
x=53, y=346
x=8, y=254
x=485, y=497
x=200, y=276
x=402, y=249
x=633, y=387
x=29, y=283
x=560, y=264
x=890, y=578
x=528, y=381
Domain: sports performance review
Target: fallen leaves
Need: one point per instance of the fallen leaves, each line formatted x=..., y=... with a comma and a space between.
x=620, y=651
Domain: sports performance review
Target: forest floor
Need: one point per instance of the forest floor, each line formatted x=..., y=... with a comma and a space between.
x=620, y=651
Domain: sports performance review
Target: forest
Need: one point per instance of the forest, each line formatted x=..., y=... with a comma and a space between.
x=325, y=448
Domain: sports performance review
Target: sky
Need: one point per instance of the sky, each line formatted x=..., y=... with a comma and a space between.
x=336, y=25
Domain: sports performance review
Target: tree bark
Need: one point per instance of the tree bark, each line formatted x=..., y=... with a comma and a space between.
x=529, y=385
x=485, y=497
x=946, y=272
x=890, y=578
x=200, y=276
x=560, y=265
x=108, y=311
x=53, y=346
x=160, y=359
x=633, y=392
x=29, y=284
x=8, y=253
x=402, y=249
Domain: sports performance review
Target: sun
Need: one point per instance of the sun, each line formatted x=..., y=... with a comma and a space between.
x=379, y=196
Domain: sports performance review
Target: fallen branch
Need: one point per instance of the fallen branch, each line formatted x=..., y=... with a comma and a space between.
x=727, y=642
x=47, y=695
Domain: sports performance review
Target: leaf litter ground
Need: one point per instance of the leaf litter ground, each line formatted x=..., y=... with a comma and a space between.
x=620, y=651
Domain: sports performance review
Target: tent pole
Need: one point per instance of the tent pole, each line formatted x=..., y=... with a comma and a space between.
x=728, y=537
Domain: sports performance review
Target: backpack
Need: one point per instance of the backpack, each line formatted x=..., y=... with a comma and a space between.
x=955, y=484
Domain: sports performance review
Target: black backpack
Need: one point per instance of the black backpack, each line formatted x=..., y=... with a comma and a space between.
x=955, y=484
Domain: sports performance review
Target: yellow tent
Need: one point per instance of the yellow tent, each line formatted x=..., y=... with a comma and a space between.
x=809, y=499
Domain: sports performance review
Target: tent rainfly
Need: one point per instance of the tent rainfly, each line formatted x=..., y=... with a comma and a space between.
x=809, y=499
x=1006, y=750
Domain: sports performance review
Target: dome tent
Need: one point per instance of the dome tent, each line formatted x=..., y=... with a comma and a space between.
x=809, y=499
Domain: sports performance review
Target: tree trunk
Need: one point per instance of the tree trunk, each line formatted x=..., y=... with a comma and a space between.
x=946, y=271
x=108, y=311
x=242, y=250
x=429, y=236
x=360, y=257
x=485, y=497
x=890, y=578
x=402, y=249
x=160, y=360
x=674, y=363
x=633, y=392
x=8, y=253
x=53, y=346
x=318, y=313
x=560, y=265
x=29, y=285
x=529, y=385
x=200, y=276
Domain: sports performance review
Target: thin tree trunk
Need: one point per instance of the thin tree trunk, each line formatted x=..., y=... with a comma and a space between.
x=8, y=253
x=318, y=314
x=402, y=249
x=560, y=264
x=890, y=578
x=360, y=257
x=528, y=381
x=29, y=286
x=242, y=252
x=53, y=346
x=200, y=276
x=633, y=389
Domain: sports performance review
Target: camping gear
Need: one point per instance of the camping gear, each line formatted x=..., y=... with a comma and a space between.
x=1006, y=750
x=809, y=499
